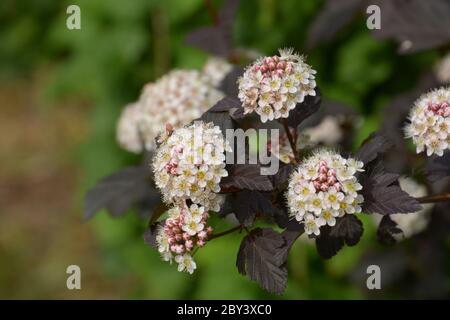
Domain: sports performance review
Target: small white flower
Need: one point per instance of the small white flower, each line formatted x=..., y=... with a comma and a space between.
x=328, y=216
x=333, y=198
x=192, y=226
x=311, y=225
x=186, y=263
x=316, y=204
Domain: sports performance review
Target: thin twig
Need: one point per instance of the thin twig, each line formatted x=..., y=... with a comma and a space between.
x=291, y=141
x=224, y=233
x=435, y=198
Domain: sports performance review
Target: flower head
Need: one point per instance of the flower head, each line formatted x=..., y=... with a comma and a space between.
x=215, y=69
x=429, y=125
x=184, y=230
x=177, y=98
x=323, y=188
x=190, y=165
x=127, y=133
x=272, y=86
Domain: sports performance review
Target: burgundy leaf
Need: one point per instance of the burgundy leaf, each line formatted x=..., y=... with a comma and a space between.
x=247, y=176
x=349, y=228
x=248, y=204
x=209, y=39
x=231, y=105
x=387, y=230
x=375, y=144
x=283, y=174
x=261, y=257
x=229, y=84
x=221, y=119
x=305, y=109
x=331, y=19
x=120, y=191
x=150, y=234
x=389, y=200
x=438, y=167
x=328, y=245
x=416, y=24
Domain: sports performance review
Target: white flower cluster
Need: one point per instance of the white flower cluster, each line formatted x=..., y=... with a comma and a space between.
x=430, y=122
x=415, y=222
x=216, y=69
x=127, y=132
x=323, y=188
x=176, y=99
x=443, y=69
x=190, y=163
x=272, y=86
x=183, y=231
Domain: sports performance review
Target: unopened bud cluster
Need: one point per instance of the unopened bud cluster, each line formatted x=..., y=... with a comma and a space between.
x=184, y=230
x=323, y=188
x=429, y=125
x=273, y=86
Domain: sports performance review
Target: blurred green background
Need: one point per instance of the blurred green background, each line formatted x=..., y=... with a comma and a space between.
x=61, y=92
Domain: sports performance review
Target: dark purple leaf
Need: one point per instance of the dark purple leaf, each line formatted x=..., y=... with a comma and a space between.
x=328, y=245
x=229, y=84
x=231, y=105
x=216, y=39
x=150, y=234
x=389, y=200
x=331, y=19
x=262, y=257
x=305, y=109
x=375, y=144
x=382, y=193
x=283, y=174
x=209, y=39
x=120, y=191
x=416, y=24
x=221, y=119
x=349, y=228
x=246, y=176
x=248, y=204
x=387, y=230
x=438, y=167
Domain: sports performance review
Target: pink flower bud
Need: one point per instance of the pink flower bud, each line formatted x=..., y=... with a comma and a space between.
x=201, y=243
x=189, y=244
x=186, y=236
x=324, y=187
x=337, y=186
x=202, y=234
x=316, y=184
x=209, y=230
